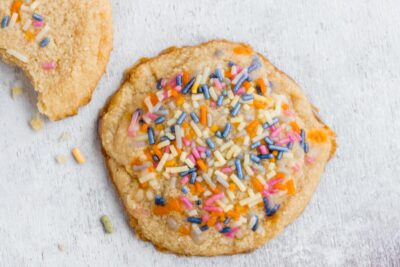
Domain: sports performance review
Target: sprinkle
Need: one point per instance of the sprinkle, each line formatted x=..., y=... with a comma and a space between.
x=267, y=125
x=44, y=42
x=239, y=184
x=196, y=84
x=186, y=202
x=247, y=97
x=255, y=64
x=37, y=17
x=42, y=33
x=49, y=65
x=13, y=20
x=193, y=177
x=194, y=117
x=178, y=80
x=185, y=190
x=196, y=129
x=239, y=83
x=225, y=230
x=239, y=170
x=4, y=21
x=79, y=157
x=218, y=73
x=268, y=210
x=105, y=220
x=37, y=24
x=219, y=157
x=159, y=120
x=253, y=223
x=18, y=55
x=204, y=228
x=206, y=91
x=278, y=148
x=214, y=198
x=254, y=158
x=159, y=200
x=159, y=85
x=235, y=109
x=179, y=169
x=268, y=141
x=181, y=117
x=150, y=133
x=265, y=156
x=255, y=144
x=188, y=86
x=194, y=220
x=227, y=130
x=210, y=143
x=162, y=162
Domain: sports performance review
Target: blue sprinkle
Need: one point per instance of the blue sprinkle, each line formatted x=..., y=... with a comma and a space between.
x=267, y=125
x=184, y=173
x=254, y=158
x=231, y=64
x=194, y=116
x=172, y=128
x=225, y=230
x=290, y=145
x=255, y=144
x=150, y=134
x=193, y=177
x=220, y=100
x=227, y=130
x=270, y=86
x=188, y=86
x=224, y=93
x=37, y=17
x=235, y=109
x=194, y=220
x=181, y=118
x=159, y=84
x=204, y=228
x=208, y=153
x=279, y=156
x=185, y=190
x=159, y=200
x=160, y=120
x=268, y=141
x=178, y=80
x=247, y=97
x=206, y=92
x=240, y=82
x=273, y=210
x=227, y=220
x=45, y=42
x=192, y=170
x=306, y=147
x=155, y=158
x=268, y=210
x=200, y=90
x=278, y=148
x=210, y=143
x=265, y=156
x=198, y=202
x=213, y=76
x=218, y=74
x=239, y=170
x=255, y=64
x=218, y=134
x=255, y=226
x=163, y=138
x=4, y=21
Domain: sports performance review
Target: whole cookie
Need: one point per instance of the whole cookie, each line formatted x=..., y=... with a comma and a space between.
x=63, y=46
x=212, y=149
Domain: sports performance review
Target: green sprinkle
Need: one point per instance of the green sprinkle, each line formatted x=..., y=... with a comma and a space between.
x=108, y=227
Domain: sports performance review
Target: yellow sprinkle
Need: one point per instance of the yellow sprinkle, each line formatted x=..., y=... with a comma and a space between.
x=16, y=91
x=78, y=156
x=36, y=123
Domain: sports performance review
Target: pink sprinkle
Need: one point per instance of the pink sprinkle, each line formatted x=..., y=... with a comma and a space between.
x=195, y=153
x=263, y=149
x=264, y=193
x=172, y=82
x=185, y=179
x=233, y=232
x=163, y=82
x=37, y=24
x=151, y=116
x=186, y=202
x=186, y=142
x=203, y=155
x=192, y=159
x=277, y=131
x=273, y=191
x=283, y=141
x=226, y=170
x=272, y=128
x=213, y=198
x=167, y=150
x=310, y=160
x=213, y=208
x=238, y=69
x=205, y=217
x=218, y=226
x=165, y=95
x=296, y=167
x=217, y=84
x=201, y=149
x=241, y=91
x=49, y=65
x=274, y=182
x=213, y=104
x=289, y=113
x=133, y=126
x=178, y=88
x=293, y=136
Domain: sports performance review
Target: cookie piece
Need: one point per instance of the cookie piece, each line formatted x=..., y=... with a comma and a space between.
x=212, y=149
x=62, y=46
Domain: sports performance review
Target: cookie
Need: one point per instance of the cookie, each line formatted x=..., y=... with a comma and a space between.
x=62, y=46
x=212, y=149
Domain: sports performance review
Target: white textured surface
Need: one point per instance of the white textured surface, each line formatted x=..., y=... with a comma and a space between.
x=344, y=54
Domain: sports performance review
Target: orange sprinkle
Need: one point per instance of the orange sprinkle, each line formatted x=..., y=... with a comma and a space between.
x=243, y=50
x=258, y=104
x=295, y=126
x=232, y=187
x=150, y=169
x=212, y=221
x=185, y=78
x=153, y=99
x=279, y=186
x=252, y=126
x=184, y=229
x=199, y=187
x=15, y=6
x=285, y=106
x=257, y=184
x=160, y=210
x=233, y=214
x=280, y=175
x=29, y=35
x=192, y=189
x=170, y=163
x=157, y=151
x=185, y=125
x=180, y=99
x=214, y=128
x=144, y=185
x=228, y=74
x=290, y=187
x=247, y=84
x=143, y=127
x=317, y=135
x=260, y=82
x=174, y=204
x=202, y=165
x=203, y=114
x=173, y=93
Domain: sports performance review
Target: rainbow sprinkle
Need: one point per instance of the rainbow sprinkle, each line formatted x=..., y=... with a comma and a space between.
x=226, y=141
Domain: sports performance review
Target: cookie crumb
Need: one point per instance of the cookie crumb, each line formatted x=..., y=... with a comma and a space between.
x=36, y=123
x=61, y=159
x=108, y=227
x=64, y=137
x=16, y=91
x=61, y=247
x=79, y=157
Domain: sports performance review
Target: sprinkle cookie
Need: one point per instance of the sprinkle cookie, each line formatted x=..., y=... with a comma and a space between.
x=63, y=46
x=212, y=149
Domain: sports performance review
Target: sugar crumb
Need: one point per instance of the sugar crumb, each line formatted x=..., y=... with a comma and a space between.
x=16, y=91
x=37, y=123
x=61, y=159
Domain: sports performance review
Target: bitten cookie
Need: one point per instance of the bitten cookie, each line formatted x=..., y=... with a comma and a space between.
x=212, y=149
x=63, y=46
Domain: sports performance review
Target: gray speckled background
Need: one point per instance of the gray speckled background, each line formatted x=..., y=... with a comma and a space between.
x=344, y=54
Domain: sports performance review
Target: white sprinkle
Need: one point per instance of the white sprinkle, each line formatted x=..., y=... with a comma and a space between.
x=13, y=19
x=235, y=100
x=230, y=194
x=177, y=169
x=189, y=163
x=43, y=32
x=222, y=181
x=271, y=174
x=173, y=151
x=162, y=162
x=183, y=156
x=208, y=180
x=248, y=200
x=239, y=183
x=147, y=177
x=219, y=157
x=18, y=55
x=163, y=144
x=213, y=94
x=27, y=24
x=196, y=129
x=260, y=137
x=226, y=145
x=35, y=4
